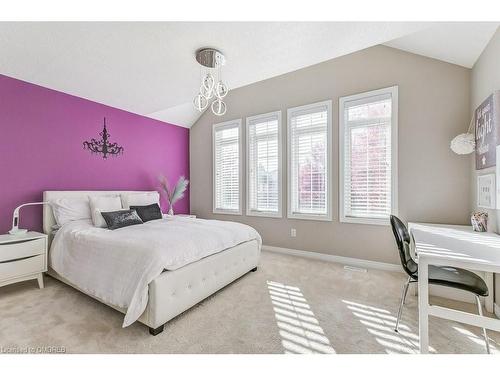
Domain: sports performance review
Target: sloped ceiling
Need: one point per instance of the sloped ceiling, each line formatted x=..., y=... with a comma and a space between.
x=149, y=67
x=458, y=43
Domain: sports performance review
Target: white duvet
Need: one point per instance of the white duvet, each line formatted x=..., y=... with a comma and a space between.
x=117, y=265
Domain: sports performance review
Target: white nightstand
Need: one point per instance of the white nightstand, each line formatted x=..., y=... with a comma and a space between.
x=23, y=257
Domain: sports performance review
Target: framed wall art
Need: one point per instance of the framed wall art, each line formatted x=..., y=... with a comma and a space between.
x=486, y=119
x=486, y=191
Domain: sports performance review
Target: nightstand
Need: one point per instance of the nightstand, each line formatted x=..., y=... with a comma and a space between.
x=23, y=257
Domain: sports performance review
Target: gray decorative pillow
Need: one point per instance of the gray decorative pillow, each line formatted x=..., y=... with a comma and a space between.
x=149, y=212
x=120, y=219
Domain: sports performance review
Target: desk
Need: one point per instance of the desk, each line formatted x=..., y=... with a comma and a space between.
x=456, y=246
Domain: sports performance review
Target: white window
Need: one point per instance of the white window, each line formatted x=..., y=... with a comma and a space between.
x=368, y=156
x=309, y=161
x=227, y=167
x=264, y=165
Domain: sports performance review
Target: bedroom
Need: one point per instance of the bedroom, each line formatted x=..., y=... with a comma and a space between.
x=255, y=187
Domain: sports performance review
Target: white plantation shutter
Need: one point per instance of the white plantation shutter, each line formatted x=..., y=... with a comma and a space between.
x=264, y=165
x=367, y=178
x=227, y=154
x=309, y=135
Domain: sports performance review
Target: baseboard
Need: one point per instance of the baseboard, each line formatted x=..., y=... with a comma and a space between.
x=335, y=259
x=496, y=309
x=435, y=290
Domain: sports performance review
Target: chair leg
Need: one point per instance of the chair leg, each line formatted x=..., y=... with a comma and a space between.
x=480, y=310
x=403, y=298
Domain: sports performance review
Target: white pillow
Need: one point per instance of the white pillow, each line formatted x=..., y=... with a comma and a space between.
x=70, y=209
x=103, y=203
x=140, y=199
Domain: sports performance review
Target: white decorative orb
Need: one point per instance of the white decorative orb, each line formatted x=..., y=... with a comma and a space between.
x=200, y=102
x=208, y=82
x=209, y=94
x=218, y=107
x=463, y=144
x=221, y=90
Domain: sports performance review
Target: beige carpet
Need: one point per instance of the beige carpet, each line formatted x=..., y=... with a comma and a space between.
x=290, y=305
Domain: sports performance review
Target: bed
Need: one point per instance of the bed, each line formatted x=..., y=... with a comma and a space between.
x=176, y=285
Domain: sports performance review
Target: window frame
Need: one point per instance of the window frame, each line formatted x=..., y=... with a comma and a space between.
x=329, y=170
x=365, y=96
x=253, y=119
x=228, y=124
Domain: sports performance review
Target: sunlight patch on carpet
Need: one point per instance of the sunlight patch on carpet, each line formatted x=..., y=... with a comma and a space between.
x=299, y=329
x=380, y=324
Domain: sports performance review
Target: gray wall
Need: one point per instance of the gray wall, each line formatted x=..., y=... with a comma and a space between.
x=486, y=79
x=434, y=106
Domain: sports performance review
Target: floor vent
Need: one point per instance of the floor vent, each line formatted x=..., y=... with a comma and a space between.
x=355, y=269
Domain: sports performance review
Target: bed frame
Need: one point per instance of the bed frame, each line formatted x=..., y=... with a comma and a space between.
x=173, y=292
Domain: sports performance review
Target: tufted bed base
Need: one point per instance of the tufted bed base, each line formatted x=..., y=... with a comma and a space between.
x=173, y=292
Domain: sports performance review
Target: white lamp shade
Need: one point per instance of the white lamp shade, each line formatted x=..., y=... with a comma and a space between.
x=463, y=144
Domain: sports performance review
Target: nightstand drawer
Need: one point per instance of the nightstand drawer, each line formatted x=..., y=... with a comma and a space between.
x=22, y=249
x=22, y=267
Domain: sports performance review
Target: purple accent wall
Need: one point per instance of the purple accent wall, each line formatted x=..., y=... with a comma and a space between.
x=41, y=135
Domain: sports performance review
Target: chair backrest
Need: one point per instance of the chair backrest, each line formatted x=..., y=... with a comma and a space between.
x=403, y=240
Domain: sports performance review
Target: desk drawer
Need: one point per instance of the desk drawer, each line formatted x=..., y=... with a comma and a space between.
x=22, y=249
x=22, y=267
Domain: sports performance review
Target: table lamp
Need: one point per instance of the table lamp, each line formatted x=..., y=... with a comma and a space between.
x=15, y=218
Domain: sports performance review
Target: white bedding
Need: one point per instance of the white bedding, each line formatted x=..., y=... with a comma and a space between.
x=117, y=265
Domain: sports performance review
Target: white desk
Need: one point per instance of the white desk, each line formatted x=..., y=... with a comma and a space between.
x=456, y=246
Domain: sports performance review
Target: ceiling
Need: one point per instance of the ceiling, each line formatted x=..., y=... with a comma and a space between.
x=458, y=43
x=149, y=67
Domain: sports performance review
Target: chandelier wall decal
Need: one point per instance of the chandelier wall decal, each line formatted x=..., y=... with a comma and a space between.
x=212, y=86
x=103, y=146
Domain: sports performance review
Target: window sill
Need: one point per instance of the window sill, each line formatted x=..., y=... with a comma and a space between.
x=310, y=217
x=365, y=220
x=226, y=212
x=275, y=215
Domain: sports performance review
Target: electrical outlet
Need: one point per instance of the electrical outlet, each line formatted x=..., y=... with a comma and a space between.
x=293, y=232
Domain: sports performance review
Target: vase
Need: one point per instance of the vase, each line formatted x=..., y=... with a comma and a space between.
x=171, y=211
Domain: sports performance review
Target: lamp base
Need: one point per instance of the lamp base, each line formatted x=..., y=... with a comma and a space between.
x=17, y=231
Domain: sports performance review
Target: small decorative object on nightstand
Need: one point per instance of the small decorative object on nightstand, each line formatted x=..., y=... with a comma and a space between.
x=23, y=257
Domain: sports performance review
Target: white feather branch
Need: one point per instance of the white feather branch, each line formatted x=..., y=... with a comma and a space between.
x=173, y=195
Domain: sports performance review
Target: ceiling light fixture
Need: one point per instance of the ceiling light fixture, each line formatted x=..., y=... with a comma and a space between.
x=212, y=86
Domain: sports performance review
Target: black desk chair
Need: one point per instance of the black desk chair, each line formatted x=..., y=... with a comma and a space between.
x=452, y=277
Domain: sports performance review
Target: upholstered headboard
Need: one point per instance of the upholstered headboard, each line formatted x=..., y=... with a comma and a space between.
x=48, y=216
